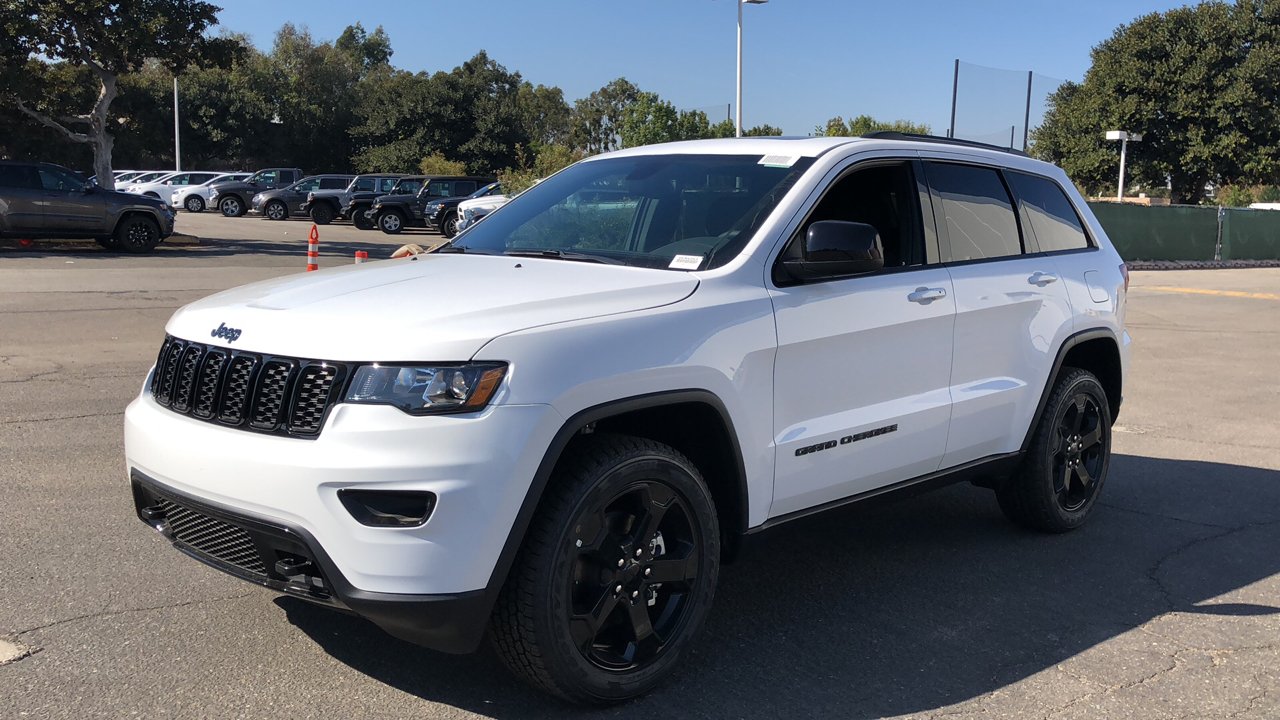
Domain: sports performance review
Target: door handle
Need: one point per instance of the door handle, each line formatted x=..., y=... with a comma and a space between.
x=926, y=295
x=1042, y=278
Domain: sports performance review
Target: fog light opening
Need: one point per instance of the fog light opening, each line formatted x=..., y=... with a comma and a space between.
x=388, y=508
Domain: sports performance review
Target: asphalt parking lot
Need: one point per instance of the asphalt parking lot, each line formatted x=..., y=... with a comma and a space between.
x=1167, y=605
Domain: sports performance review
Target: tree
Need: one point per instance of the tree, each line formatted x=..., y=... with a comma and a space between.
x=597, y=118
x=865, y=124
x=1200, y=83
x=112, y=39
x=437, y=164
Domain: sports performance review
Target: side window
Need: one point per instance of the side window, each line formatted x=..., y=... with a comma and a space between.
x=182, y=179
x=364, y=185
x=306, y=186
x=976, y=211
x=883, y=196
x=268, y=178
x=54, y=179
x=334, y=183
x=385, y=184
x=18, y=176
x=1053, y=219
x=201, y=178
x=439, y=188
x=464, y=187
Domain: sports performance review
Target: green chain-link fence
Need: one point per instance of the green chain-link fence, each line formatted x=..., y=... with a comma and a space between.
x=1185, y=232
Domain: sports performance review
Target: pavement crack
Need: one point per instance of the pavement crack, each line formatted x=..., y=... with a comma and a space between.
x=1145, y=513
x=19, y=421
x=127, y=611
x=1153, y=573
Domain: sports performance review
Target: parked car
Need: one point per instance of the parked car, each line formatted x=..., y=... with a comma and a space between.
x=232, y=198
x=195, y=198
x=282, y=203
x=442, y=214
x=126, y=180
x=394, y=213
x=357, y=208
x=164, y=185
x=43, y=200
x=324, y=206
x=553, y=430
x=471, y=212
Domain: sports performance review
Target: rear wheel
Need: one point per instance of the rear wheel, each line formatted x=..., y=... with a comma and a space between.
x=615, y=576
x=1066, y=465
x=231, y=206
x=321, y=214
x=194, y=203
x=275, y=210
x=137, y=234
x=390, y=222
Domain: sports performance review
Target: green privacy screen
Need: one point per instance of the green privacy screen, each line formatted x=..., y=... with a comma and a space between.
x=1181, y=232
x=1250, y=234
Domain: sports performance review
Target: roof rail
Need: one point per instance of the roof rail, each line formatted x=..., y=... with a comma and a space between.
x=895, y=135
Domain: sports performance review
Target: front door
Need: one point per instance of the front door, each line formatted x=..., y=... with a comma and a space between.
x=69, y=205
x=862, y=373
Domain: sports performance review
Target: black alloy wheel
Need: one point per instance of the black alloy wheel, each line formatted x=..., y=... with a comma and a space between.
x=231, y=206
x=137, y=234
x=194, y=203
x=360, y=218
x=1066, y=463
x=275, y=210
x=321, y=214
x=615, y=575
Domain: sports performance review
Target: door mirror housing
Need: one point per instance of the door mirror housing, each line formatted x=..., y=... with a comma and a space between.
x=835, y=248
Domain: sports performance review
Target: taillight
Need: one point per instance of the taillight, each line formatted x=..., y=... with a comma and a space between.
x=1124, y=270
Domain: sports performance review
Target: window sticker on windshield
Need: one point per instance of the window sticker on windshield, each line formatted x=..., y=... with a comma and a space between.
x=685, y=262
x=779, y=161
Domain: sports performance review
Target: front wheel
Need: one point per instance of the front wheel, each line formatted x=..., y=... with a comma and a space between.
x=194, y=203
x=231, y=206
x=321, y=214
x=276, y=210
x=1067, y=462
x=615, y=576
x=449, y=227
x=137, y=234
x=360, y=219
x=390, y=222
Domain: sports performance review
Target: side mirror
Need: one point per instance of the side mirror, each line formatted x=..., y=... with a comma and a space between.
x=835, y=248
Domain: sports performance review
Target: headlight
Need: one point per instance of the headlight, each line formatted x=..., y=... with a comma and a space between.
x=257, y=199
x=427, y=389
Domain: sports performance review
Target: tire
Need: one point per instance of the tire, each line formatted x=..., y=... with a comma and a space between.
x=1066, y=465
x=276, y=210
x=449, y=227
x=360, y=219
x=390, y=222
x=321, y=214
x=232, y=206
x=193, y=203
x=615, y=507
x=137, y=234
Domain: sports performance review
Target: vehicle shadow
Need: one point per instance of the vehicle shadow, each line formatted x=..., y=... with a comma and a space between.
x=909, y=606
x=379, y=248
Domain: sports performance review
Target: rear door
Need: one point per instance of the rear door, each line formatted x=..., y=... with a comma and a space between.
x=1012, y=311
x=863, y=365
x=21, y=199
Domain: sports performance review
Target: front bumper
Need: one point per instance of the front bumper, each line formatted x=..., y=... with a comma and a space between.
x=289, y=560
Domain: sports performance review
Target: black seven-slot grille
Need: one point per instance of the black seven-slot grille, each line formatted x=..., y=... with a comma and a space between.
x=265, y=393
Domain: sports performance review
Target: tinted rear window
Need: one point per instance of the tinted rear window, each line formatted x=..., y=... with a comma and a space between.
x=18, y=176
x=1053, y=219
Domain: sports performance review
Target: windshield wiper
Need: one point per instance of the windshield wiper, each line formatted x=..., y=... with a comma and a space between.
x=554, y=254
x=451, y=248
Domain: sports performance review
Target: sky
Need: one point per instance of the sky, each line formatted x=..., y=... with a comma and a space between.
x=804, y=61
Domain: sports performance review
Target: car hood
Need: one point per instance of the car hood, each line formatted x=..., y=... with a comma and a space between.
x=434, y=308
x=237, y=187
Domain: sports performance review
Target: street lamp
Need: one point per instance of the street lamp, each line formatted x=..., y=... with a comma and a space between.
x=740, y=3
x=1124, y=138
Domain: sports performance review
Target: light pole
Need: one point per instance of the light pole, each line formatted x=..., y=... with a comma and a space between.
x=1124, y=138
x=177, y=140
x=740, y=3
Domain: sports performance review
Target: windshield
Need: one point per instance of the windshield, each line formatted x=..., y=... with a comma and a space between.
x=682, y=212
x=486, y=190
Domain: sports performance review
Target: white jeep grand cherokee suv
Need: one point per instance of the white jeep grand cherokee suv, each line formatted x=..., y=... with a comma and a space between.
x=556, y=427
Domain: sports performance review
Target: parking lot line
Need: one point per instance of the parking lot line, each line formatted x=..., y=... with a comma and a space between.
x=1203, y=291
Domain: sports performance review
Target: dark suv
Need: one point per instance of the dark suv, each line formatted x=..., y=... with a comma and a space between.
x=394, y=213
x=281, y=203
x=442, y=214
x=232, y=198
x=357, y=208
x=49, y=201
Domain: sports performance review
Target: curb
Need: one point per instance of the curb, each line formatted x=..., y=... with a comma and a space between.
x=1200, y=264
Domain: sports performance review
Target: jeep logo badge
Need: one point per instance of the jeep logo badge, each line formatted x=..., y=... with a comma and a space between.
x=231, y=334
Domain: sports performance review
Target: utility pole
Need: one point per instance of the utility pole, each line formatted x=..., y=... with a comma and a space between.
x=177, y=140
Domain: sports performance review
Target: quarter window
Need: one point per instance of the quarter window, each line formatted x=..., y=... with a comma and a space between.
x=1053, y=219
x=976, y=211
x=18, y=176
